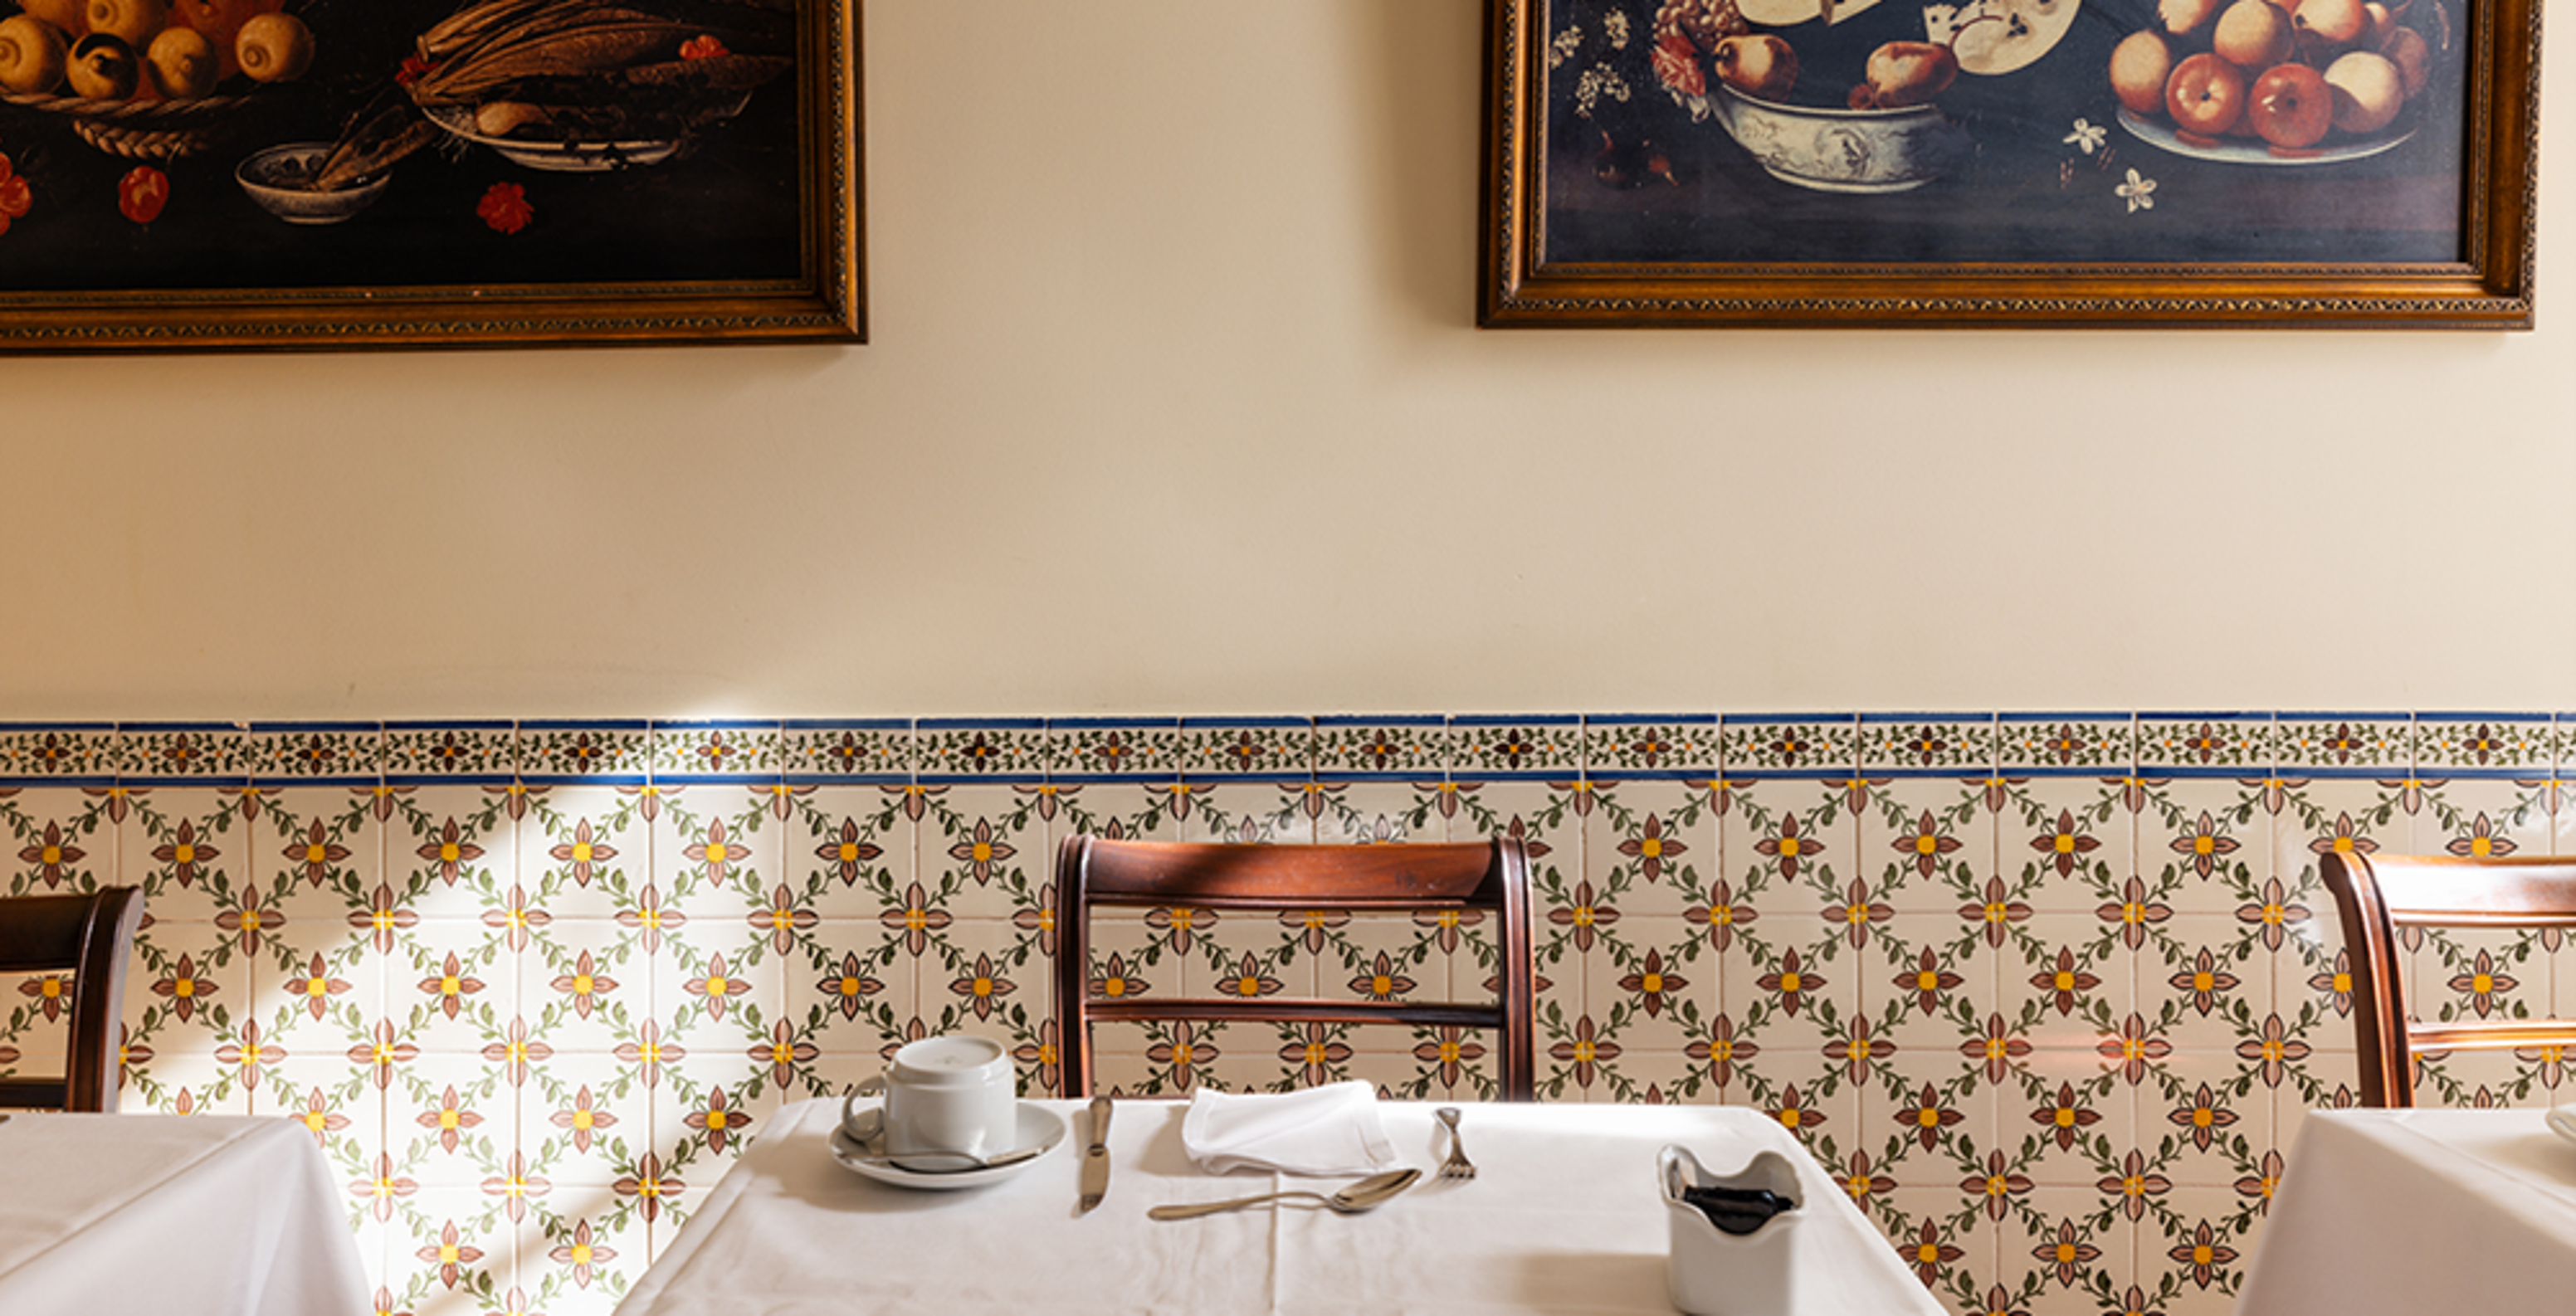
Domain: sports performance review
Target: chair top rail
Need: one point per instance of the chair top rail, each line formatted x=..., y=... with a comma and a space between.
x=2490, y=1034
x=1273, y=1007
x=2447, y=891
x=1158, y=872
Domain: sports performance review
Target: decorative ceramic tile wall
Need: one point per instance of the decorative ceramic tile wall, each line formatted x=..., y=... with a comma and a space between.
x=2050, y=993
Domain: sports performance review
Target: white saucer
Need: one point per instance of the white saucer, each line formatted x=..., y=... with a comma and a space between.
x=2562, y=1121
x=1039, y=1127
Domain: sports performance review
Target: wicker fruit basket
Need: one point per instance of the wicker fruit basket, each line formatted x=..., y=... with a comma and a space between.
x=139, y=130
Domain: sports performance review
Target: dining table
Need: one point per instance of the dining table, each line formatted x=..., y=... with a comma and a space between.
x=1566, y=1213
x=2420, y=1210
x=204, y=1214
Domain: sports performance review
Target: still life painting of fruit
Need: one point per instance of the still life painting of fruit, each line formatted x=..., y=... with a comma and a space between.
x=2137, y=132
x=208, y=145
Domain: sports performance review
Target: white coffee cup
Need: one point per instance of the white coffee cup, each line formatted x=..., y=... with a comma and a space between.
x=952, y=1095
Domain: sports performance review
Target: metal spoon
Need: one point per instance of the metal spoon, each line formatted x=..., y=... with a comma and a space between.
x=1364, y=1195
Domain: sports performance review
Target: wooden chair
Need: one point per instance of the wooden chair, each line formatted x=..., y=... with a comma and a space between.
x=91, y=936
x=2379, y=896
x=1091, y=872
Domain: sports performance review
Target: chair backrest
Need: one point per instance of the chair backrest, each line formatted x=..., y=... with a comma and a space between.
x=87, y=937
x=2380, y=896
x=1490, y=876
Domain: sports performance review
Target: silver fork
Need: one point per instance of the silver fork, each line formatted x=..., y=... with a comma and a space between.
x=1457, y=1166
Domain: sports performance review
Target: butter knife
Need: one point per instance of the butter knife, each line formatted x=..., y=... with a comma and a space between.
x=1095, y=1157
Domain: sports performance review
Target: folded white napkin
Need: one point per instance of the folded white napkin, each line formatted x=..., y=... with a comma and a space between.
x=1327, y=1130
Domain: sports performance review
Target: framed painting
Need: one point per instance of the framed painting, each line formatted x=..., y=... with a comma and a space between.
x=1865, y=163
x=318, y=174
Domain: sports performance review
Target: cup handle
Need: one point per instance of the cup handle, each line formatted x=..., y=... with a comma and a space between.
x=863, y=1126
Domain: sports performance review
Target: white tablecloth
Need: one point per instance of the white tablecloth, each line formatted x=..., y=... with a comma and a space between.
x=1565, y=1217
x=2420, y=1211
x=206, y=1215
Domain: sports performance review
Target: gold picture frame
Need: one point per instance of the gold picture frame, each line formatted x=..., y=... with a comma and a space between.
x=705, y=188
x=1628, y=182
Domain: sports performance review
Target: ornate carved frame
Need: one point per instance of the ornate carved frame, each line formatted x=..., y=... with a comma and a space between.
x=825, y=302
x=2489, y=288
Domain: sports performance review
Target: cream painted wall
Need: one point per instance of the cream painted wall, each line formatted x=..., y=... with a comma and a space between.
x=1176, y=404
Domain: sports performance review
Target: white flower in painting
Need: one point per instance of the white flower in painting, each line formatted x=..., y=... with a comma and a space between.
x=1563, y=48
x=1614, y=25
x=2086, y=137
x=1597, y=82
x=2140, y=193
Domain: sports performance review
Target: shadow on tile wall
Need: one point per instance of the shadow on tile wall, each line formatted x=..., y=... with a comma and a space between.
x=2049, y=993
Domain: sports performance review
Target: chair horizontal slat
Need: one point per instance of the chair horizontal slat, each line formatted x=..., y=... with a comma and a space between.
x=2490, y=1034
x=1307, y=1011
x=33, y=1093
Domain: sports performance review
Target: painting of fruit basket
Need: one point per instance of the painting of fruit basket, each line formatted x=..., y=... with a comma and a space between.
x=198, y=174
x=1865, y=163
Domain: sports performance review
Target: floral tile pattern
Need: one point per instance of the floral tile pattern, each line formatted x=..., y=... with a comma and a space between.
x=2050, y=993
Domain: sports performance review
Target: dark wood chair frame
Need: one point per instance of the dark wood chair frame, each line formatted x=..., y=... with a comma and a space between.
x=91, y=936
x=1092, y=871
x=2381, y=896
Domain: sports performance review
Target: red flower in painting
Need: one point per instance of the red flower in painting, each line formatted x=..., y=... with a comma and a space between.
x=506, y=209
x=15, y=195
x=702, y=46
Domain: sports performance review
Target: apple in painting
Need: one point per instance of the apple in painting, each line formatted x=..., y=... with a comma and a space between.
x=2412, y=54
x=2291, y=106
x=1903, y=73
x=2182, y=17
x=2205, y=95
x=2139, y=66
x=1761, y=65
x=2253, y=34
x=2367, y=90
x=2333, y=22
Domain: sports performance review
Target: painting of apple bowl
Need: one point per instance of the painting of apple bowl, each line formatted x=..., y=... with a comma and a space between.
x=1842, y=149
x=281, y=179
x=2255, y=151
